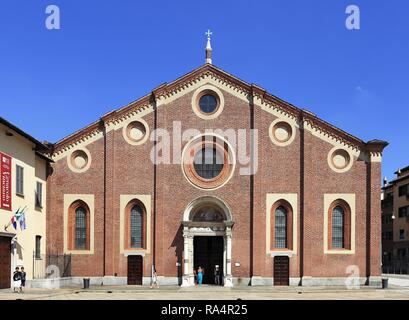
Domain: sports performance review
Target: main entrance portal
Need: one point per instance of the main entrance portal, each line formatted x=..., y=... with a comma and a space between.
x=207, y=241
x=208, y=253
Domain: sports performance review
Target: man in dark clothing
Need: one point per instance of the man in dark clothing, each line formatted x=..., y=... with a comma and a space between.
x=217, y=275
x=23, y=279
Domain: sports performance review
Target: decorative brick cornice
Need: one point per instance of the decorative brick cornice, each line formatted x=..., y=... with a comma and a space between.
x=208, y=71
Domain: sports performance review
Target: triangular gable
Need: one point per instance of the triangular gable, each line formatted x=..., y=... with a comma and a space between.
x=260, y=95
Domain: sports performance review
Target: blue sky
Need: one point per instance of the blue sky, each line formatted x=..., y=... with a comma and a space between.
x=108, y=53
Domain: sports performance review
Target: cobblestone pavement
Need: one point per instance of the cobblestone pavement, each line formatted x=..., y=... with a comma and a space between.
x=207, y=293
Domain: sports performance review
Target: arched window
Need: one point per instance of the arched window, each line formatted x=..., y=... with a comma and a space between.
x=136, y=227
x=339, y=225
x=281, y=226
x=80, y=228
x=280, y=231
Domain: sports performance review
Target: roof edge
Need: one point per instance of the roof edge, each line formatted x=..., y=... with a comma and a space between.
x=254, y=89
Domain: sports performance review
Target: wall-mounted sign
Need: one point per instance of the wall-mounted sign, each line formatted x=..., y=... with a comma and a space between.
x=237, y=264
x=5, y=182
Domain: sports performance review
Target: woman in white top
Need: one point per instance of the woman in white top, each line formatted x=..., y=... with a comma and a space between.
x=17, y=280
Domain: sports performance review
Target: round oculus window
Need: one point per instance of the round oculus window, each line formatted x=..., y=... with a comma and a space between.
x=208, y=163
x=340, y=159
x=79, y=159
x=282, y=132
x=136, y=131
x=208, y=103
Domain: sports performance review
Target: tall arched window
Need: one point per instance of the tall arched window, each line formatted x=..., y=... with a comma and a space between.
x=280, y=231
x=339, y=225
x=136, y=227
x=338, y=215
x=80, y=228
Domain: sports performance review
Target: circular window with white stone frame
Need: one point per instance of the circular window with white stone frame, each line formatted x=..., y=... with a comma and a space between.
x=340, y=160
x=136, y=132
x=207, y=102
x=208, y=162
x=79, y=160
x=281, y=132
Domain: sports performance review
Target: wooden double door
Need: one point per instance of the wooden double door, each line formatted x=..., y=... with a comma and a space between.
x=281, y=271
x=5, y=262
x=135, y=270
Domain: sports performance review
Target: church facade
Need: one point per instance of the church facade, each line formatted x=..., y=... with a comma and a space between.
x=210, y=170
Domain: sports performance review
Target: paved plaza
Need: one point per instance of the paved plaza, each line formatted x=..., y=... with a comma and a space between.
x=208, y=293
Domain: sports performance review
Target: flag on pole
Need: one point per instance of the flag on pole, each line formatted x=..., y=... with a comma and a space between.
x=22, y=221
x=13, y=222
x=19, y=215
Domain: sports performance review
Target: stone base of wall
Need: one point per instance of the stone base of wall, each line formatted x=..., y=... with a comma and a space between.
x=56, y=283
x=269, y=281
x=340, y=281
x=175, y=281
x=241, y=281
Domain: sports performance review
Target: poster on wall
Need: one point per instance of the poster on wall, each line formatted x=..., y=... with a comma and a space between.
x=5, y=182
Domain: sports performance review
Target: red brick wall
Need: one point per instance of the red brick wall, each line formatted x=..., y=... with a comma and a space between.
x=130, y=171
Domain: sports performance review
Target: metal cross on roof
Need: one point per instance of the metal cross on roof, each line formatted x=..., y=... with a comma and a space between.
x=208, y=33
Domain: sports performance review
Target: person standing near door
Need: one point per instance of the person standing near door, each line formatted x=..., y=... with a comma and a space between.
x=217, y=275
x=200, y=273
x=17, y=280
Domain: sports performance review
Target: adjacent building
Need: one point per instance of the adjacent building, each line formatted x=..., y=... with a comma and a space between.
x=23, y=170
x=395, y=223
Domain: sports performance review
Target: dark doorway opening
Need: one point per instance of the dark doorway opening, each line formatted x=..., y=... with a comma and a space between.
x=5, y=263
x=281, y=271
x=208, y=253
x=135, y=270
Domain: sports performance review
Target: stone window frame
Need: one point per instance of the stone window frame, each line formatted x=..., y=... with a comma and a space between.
x=333, y=166
x=200, y=92
x=347, y=200
x=127, y=240
x=124, y=200
x=271, y=200
x=346, y=233
x=71, y=202
x=72, y=220
x=289, y=225
x=70, y=160
x=287, y=142
x=189, y=153
x=126, y=129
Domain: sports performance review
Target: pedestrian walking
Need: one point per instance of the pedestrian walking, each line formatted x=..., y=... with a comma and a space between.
x=154, y=283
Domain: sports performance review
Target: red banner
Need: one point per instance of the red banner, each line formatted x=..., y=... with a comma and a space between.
x=5, y=182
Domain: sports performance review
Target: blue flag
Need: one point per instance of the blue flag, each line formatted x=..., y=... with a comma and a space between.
x=22, y=221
